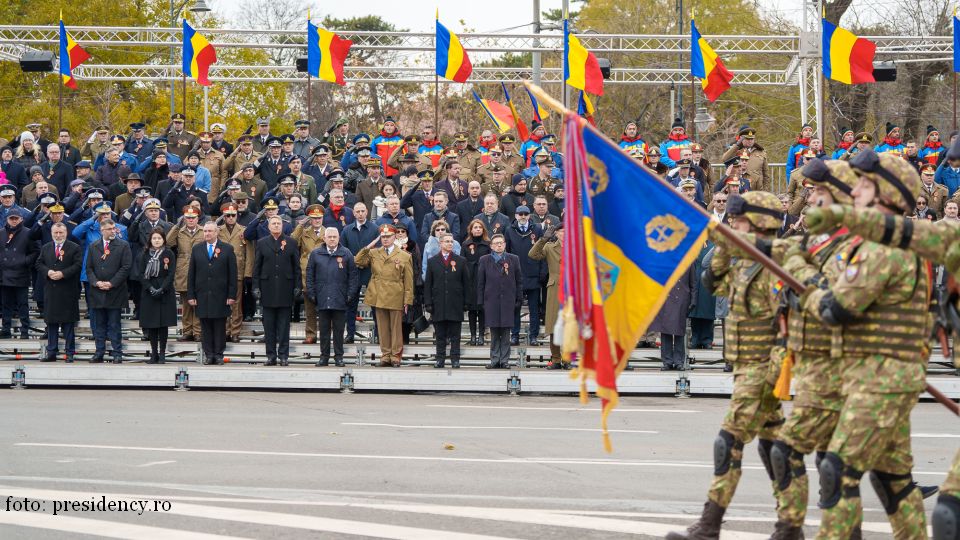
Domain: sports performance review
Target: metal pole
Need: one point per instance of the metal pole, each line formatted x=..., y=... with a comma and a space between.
x=206, y=108
x=309, y=101
x=60, y=102
x=680, y=33
x=436, y=103
x=173, y=102
x=536, y=42
x=693, y=105
x=184, y=97
x=563, y=84
x=954, y=100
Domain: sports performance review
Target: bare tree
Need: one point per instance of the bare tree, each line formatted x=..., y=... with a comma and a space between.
x=278, y=15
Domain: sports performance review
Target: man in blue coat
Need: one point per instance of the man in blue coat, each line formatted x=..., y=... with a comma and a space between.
x=948, y=173
x=332, y=284
x=521, y=236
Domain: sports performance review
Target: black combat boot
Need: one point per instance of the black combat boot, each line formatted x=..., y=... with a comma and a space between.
x=706, y=528
x=784, y=531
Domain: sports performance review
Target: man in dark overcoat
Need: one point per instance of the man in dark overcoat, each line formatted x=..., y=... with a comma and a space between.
x=212, y=289
x=500, y=284
x=17, y=255
x=332, y=279
x=276, y=281
x=444, y=294
x=109, y=261
x=58, y=266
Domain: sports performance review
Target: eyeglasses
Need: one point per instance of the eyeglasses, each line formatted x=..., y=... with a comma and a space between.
x=439, y=229
x=523, y=213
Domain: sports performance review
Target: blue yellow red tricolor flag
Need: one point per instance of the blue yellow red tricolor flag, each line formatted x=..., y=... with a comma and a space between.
x=539, y=113
x=956, y=42
x=326, y=53
x=707, y=66
x=499, y=113
x=585, y=107
x=71, y=56
x=618, y=272
x=846, y=57
x=580, y=67
x=452, y=60
x=198, y=55
x=521, y=127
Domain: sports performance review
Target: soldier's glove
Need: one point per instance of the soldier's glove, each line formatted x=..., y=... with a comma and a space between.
x=549, y=233
x=429, y=309
x=765, y=246
x=825, y=218
x=297, y=294
x=156, y=292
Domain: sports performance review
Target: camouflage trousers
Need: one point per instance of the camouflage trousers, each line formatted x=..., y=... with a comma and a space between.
x=873, y=434
x=808, y=428
x=952, y=485
x=753, y=412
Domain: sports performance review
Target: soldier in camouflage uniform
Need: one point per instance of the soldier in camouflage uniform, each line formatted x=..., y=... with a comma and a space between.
x=751, y=338
x=879, y=308
x=939, y=242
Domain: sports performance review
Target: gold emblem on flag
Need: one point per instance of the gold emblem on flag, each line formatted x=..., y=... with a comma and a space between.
x=665, y=232
x=607, y=274
x=598, y=175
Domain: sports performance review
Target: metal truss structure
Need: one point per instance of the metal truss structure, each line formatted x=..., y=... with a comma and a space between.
x=780, y=60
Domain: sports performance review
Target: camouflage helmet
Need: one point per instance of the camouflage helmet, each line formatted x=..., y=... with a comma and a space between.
x=896, y=179
x=833, y=174
x=760, y=208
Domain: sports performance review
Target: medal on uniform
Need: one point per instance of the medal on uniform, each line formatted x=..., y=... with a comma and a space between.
x=340, y=262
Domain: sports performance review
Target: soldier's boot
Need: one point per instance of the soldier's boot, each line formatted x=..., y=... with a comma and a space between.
x=792, y=484
x=946, y=518
x=786, y=531
x=706, y=528
x=903, y=503
x=839, y=498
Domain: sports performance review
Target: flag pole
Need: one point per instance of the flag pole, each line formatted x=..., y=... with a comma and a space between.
x=60, y=103
x=309, y=99
x=184, y=95
x=954, y=100
x=436, y=103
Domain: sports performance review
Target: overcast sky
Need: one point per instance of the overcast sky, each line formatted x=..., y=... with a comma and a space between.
x=484, y=16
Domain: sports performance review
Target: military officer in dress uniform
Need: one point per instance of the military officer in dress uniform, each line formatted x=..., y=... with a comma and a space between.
x=179, y=141
x=389, y=292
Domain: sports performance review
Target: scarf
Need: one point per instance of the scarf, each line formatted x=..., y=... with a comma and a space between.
x=624, y=138
x=153, y=264
x=383, y=133
x=933, y=145
x=678, y=138
x=891, y=141
x=805, y=141
x=430, y=143
x=843, y=145
x=536, y=138
x=336, y=208
x=488, y=145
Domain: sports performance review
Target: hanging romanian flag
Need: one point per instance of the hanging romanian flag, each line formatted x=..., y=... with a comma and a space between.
x=71, y=56
x=580, y=67
x=539, y=113
x=198, y=54
x=326, y=53
x=452, y=60
x=846, y=57
x=521, y=127
x=585, y=108
x=499, y=113
x=956, y=42
x=706, y=66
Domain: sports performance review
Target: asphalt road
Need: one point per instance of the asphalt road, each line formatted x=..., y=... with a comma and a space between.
x=443, y=466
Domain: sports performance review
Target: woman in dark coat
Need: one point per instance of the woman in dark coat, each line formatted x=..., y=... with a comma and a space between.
x=475, y=246
x=157, y=171
x=499, y=283
x=158, y=300
x=671, y=321
x=704, y=311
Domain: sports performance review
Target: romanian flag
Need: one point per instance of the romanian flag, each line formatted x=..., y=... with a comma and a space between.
x=198, y=54
x=585, y=108
x=521, y=127
x=706, y=66
x=580, y=67
x=539, y=113
x=499, y=113
x=621, y=272
x=452, y=60
x=846, y=57
x=956, y=42
x=326, y=53
x=71, y=56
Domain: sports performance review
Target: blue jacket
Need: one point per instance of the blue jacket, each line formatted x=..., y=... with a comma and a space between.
x=356, y=239
x=792, y=154
x=885, y=148
x=88, y=233
x=145, y=164
x=129, y=159
x=332, y=280
x=946, y=176
x=670, y=151
x=203, y=178
x=402, y=220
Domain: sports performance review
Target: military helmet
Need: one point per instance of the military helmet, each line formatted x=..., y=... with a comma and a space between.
x=761, y=208
x=896, y=179
x=833, y=174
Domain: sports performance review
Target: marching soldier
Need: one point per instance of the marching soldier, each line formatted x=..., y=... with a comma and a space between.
x=752, y=350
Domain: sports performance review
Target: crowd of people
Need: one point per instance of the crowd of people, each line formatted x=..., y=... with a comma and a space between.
x=222, y=230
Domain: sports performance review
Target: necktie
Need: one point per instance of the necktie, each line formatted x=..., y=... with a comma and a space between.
x=57, y=251
x=209, y=251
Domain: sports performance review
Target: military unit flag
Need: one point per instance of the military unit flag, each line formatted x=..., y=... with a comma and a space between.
x=580, y=67
x=707, y=66
x=198, y=55
x=846, y=57
x=71, y=56
x=326, y=53
x=956, y=42
x=452, y=60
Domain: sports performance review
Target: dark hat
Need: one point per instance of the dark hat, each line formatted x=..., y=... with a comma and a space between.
x=373, y=162
x=294, y=157
x=507, y=138
x=240, y=196
x=320, y=149
x=806, y=125
x=931, y=129
x=497, y=168
x=137, y=126
x=248, y=165
x=410, y=157
x=287, y=179
x=844, y=130
x=389, y=119
x=36, y=169
x=178, y=116
x=14, y=213
x=76, y=182
x=890, y=127
x=361, y=138
x=82, y=164
x=144, y=191
x=747, y=132
x=735, y=160
x=677, y=123
x=233, y=183
x=549, y=139
x=118, y=139
x=954, y=152
x=244, y=139
x=864, y=137
x=103, y=129
x=193, y=153
x=301, y=123
x=341, y=121
x=517, y=178
x=411, y=139
x=133, y=176
x=270, y=204
x=175, y=167
x=335, y=175
x=685, y=163
x=534, y=124
x=274, y=142
x=425, y=175
x=314, y=211
x=160, y=143
x=522, y=209
x=228, y=209
x=286, y=138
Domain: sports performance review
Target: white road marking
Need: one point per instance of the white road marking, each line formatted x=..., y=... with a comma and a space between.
x=935, y=435
x=521, y=428
x=578, y=409
x=101, y=528
x=275, y=519
x=504, y=461
x=152, y=463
